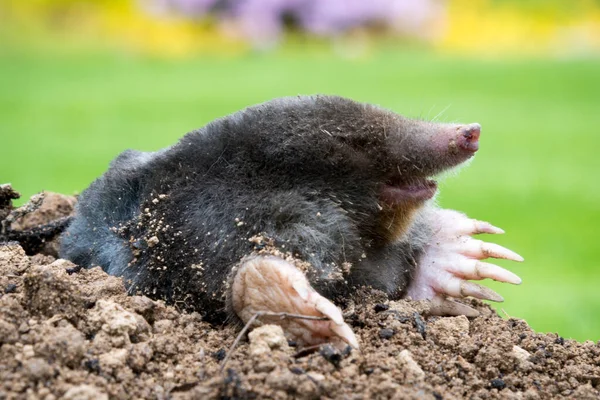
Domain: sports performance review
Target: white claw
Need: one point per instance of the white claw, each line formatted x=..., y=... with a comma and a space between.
x=448, y=285
x=301, y=288
x=480, y=292
x=329, y=309
x=491, y=271
x=458, y=287
x=440, y=305
x=473, y=269
x=485, y=227
x=497, y=251
x=480, y=250
x=345, y=333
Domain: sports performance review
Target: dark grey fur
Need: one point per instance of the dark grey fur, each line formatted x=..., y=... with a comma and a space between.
x=305, y=172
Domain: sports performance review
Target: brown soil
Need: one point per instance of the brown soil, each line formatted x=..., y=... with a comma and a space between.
x=73, y=333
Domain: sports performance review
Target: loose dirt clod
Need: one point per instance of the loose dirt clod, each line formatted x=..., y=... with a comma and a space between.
x=266, y=338
x=37, y=224
x=78, y=335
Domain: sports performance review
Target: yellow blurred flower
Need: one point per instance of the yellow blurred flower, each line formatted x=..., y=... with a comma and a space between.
x=482, y=27
x=496, y=27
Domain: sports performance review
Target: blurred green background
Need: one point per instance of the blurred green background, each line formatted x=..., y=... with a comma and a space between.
x=75, y=93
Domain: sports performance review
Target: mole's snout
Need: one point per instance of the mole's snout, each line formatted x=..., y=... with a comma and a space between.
x=468, y=137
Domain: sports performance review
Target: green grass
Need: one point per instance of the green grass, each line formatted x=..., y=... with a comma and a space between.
x=64, y=117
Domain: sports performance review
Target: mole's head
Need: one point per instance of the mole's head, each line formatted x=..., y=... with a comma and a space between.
x=419, y=150
x=407, y=155
x=396, y=157
x=397, y=154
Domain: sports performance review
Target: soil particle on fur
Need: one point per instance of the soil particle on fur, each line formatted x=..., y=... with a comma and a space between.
x=78, y=335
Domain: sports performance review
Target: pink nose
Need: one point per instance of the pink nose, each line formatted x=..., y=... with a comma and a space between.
x=468, y=137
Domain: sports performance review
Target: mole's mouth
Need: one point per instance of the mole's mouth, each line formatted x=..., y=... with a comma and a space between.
x=396, y=192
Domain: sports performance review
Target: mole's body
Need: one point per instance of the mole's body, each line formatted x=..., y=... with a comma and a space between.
x=231, y=219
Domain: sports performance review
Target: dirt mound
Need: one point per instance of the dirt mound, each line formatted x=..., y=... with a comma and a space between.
x=72, y=333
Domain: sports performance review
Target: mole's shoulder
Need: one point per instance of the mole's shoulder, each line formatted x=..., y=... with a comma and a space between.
x=132, y=160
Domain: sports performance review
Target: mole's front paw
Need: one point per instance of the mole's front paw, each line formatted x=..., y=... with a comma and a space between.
x=452, y=258
x=271, y=284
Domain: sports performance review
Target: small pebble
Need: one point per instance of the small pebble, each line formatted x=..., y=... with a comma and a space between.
x=73, y=270
x=297, y=370
x=219, y=355
x=420, y=325
x=92, y=365
x=331, y=354
x=10, y=288
x=381, y=307
x=386, y=333
x=497, y=384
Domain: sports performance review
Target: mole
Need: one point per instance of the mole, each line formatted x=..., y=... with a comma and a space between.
x=285, y=207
